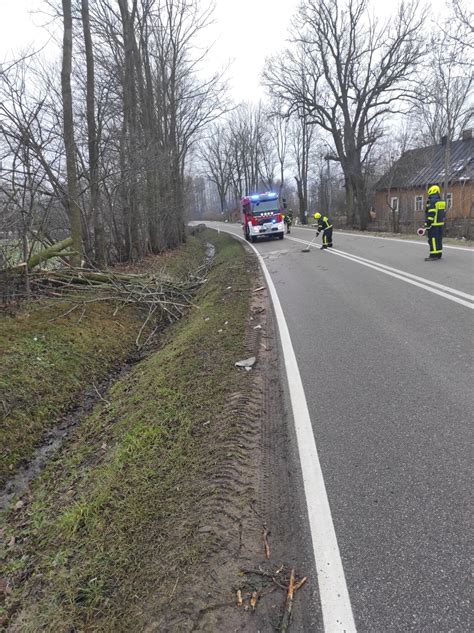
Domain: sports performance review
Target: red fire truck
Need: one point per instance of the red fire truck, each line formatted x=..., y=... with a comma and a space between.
x=262, y=216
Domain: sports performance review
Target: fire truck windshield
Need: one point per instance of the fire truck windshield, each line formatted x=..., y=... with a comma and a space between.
x=259, y=208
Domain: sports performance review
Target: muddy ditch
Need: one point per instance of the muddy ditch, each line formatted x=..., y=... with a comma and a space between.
x=18, y=484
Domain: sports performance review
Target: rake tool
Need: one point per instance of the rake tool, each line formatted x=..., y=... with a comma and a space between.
x=306, y=248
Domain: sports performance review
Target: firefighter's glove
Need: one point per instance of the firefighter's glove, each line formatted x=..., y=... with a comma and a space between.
x=317, y=233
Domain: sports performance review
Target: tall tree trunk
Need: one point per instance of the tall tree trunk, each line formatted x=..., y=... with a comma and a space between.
x=155, y=235
x=361, y=204
x=124, y=195
x=305, y=166
x=302, y=199
x=350, y=216
x=130, y=133
x=69, y=144
x=282, y=179
x=99, y=246
x=356, y=190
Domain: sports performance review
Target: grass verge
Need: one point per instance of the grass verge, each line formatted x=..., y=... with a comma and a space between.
x=50, y=357
x=119, y=513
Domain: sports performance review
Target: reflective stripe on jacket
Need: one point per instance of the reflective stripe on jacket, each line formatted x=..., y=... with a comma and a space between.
x=435, y=213
x=324, y=223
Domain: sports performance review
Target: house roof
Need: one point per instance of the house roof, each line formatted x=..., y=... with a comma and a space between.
x=425, y=166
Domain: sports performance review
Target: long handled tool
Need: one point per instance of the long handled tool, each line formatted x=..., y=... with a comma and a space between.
x=306, y=249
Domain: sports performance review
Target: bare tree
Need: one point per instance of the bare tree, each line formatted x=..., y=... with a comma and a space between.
x=279, y=131
x=93, y=146
x=216, y=157
x=69, y=144
x=302, y=133
x=444, y=104
x=135, y=102
x=252, y=150
x=25, y=205
x=461, y=25
x=356, y=72
x=31, y=142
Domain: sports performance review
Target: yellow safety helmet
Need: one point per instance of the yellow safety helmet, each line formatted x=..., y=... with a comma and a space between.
x=434, y=189
x=317, y=216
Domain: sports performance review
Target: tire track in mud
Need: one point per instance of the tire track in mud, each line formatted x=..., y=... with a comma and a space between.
x=251, y=488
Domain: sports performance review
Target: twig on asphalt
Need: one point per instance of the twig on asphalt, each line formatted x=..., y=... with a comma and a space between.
x=266, y=546
x=239, y=598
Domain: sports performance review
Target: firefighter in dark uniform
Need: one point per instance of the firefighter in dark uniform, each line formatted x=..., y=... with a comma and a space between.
x=435, y=214
x=288, y=219
x=324, y=225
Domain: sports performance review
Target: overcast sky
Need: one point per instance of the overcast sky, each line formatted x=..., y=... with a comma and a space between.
x=21, y=26
x=244, y=32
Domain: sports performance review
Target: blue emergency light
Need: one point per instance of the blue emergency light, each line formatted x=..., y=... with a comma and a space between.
x=269, y=195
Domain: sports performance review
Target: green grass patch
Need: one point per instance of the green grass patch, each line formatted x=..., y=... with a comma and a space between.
x=117, y=515
x=49, y=358
x=47, y=363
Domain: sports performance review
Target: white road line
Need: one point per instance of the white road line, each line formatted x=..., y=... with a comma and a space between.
x=334, y=596
x=400, y=274
x=396, y=239
x=459, y=293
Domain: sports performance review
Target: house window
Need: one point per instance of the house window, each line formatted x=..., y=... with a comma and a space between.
x=394, y=204
x=449, y=201
x=418, y=203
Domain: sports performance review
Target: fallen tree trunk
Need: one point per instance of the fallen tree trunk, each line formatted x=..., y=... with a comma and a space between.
x=48, y=253
x=55, y=250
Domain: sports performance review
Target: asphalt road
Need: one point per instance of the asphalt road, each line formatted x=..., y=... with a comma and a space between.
x=387, y=369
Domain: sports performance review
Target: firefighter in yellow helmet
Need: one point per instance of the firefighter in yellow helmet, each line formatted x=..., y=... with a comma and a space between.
x=324, y=225
x=435, y=214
